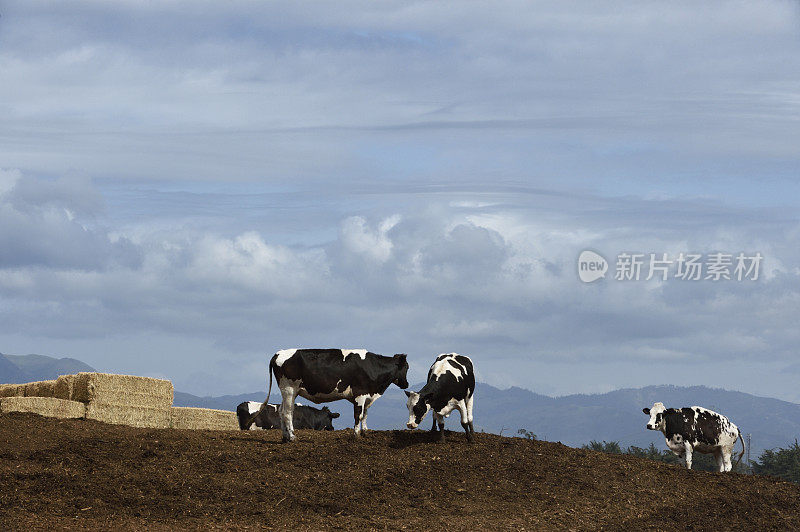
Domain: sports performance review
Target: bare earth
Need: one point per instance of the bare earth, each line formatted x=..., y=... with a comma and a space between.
x=84, y=474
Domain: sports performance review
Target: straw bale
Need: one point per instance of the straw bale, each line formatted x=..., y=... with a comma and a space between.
x=115, y=390
x=40, y=389
x=203, y=418
x=134, y=416
x=44, y=406
x=12, y=390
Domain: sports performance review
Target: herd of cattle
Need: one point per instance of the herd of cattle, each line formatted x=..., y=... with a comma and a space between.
x=361, y=377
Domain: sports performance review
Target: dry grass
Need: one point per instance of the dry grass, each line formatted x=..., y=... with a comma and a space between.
x=44, y=406
x=133, y=416
x=203, y=418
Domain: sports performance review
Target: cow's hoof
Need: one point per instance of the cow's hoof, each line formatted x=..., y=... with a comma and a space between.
x=289, y=439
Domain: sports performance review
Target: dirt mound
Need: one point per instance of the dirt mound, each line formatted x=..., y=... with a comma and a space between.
x=78, y=473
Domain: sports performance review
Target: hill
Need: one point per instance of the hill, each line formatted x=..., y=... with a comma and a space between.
x=27, y=368
x=83, y=474
x=573, y=419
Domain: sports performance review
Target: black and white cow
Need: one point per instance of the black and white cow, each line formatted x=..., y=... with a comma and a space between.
x=451, y=385
x=303, y=417
x=698, y=429
x=323, y=375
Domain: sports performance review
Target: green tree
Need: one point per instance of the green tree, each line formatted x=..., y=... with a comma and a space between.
x=610, y=447
x=781, y=463
x=528, y=435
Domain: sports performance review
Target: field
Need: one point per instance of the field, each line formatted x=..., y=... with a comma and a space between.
x=86, y=474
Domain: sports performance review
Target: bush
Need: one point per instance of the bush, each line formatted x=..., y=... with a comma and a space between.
x=781, y=463
x=700, y=462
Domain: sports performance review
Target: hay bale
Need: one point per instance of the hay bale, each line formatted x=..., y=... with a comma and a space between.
x=44, y=406
x=184, y=417
x=40, y=389
x=115, y=390
x=12, y=390
x=134, y=416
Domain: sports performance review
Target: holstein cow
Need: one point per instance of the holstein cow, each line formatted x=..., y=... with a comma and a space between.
x=323, y=375
x=451, y=385
x=303, y=417
x=698, y=429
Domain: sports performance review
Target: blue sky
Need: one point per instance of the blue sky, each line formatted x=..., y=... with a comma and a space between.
x=186, y=187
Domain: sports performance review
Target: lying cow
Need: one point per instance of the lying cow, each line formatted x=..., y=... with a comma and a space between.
x=698, y=429
x=323, y=375
x=303, y=417
x=451, y=384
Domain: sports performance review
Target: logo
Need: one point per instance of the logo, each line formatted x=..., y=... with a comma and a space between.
x=591, y=266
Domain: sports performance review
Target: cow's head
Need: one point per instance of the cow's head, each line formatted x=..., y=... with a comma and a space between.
x=402, y=369
x=656, y=413
x=417, y=408
x=330, y=417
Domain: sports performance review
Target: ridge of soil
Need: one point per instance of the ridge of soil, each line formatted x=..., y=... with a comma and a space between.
x=59, y=474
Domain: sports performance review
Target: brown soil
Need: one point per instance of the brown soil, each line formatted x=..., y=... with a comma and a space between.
x=59, y=474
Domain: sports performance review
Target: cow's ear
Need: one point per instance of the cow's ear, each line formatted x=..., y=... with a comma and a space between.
x=408, y=394
x=334, y=415
x=646, y=411
x=401, y=357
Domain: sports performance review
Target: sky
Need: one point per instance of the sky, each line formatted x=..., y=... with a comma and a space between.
x=187, y=187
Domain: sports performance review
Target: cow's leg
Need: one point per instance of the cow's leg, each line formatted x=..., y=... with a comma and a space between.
x=439, y=420
x=358, y=412
x=367, y=404
x=289, y=393
x=469, y=414
x=687, y=454
x=433, y=425
x=462, y=408
x=718, y=457
x=726, y=459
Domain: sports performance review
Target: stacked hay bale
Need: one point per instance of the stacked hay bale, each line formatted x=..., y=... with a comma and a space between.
x=44, y=406
x=184, y=417
x=119, y=399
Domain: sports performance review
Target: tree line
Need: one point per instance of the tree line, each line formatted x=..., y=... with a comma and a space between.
x=782, y=462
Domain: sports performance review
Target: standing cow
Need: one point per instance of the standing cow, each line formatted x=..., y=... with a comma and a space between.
x=303, y=417
x=451, y=385
x=698, y=429
x=323, y=375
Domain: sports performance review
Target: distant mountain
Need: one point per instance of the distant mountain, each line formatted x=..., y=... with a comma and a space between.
x=573, y=419
x=26, y=368
x=10, y=372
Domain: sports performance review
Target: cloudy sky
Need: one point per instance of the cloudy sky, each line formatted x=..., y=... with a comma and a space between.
x=186, y=187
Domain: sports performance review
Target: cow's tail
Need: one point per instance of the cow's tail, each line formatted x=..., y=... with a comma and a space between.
x=739, y=459
x=263, y=406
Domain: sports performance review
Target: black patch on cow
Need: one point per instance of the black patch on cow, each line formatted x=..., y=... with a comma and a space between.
x=325, y=371
x=692, y=425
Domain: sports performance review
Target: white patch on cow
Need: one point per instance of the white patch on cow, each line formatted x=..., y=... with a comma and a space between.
x=360, y=352
x=334, y=395
x=413, y=399
x=253, y=407
x=364, y=401
x=447, y=365
x=284, y=355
